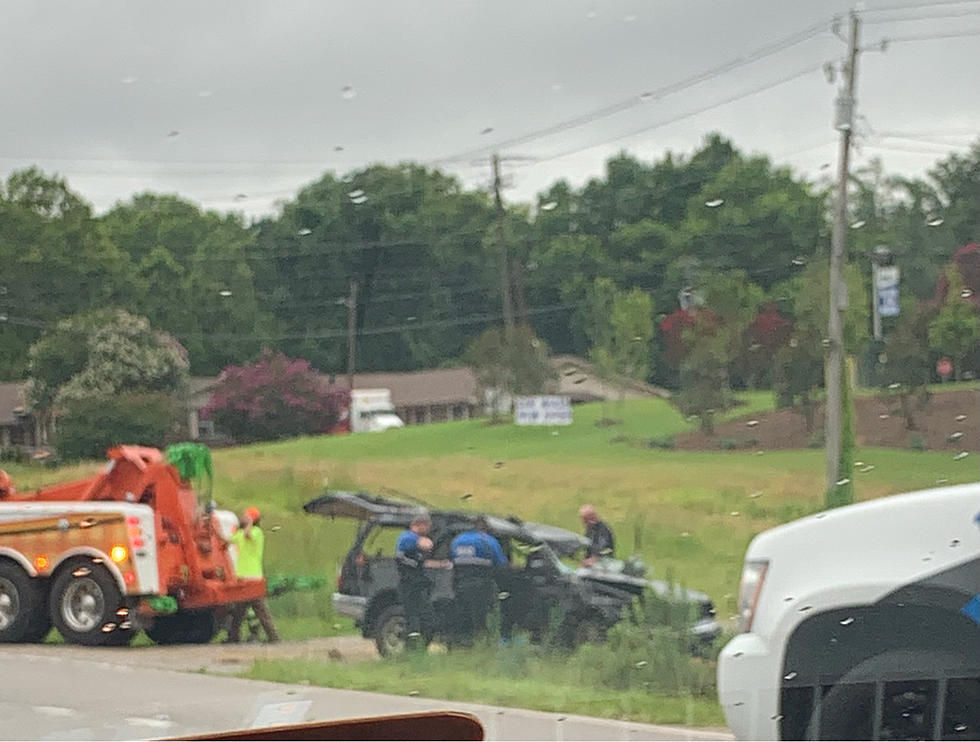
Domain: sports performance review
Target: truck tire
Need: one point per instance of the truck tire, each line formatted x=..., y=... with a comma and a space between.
x=844, y=714
x=85, y=604
x=389, y=631
x=184, y=627
x=22, y=615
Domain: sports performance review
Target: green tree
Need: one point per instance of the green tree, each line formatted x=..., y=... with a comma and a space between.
x=705, y=388
x=798, y=369
x=508, y=363
x=955, y=331
x=906, y=369
x=91, y=425
x=621, y=330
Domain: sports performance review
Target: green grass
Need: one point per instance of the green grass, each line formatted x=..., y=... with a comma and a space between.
x=506, y=677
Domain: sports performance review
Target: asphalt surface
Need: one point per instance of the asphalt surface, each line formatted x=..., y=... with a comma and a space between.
x=59, y=693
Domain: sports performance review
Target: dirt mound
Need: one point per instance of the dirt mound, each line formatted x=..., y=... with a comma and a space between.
x=878, y=424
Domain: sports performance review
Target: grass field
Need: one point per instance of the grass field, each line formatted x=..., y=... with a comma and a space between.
x=690, y=515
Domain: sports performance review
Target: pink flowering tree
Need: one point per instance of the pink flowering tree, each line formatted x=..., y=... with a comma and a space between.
x=275, y=397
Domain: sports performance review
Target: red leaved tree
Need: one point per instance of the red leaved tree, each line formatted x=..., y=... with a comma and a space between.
x=275, y=397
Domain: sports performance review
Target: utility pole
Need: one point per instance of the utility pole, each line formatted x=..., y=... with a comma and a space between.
x=351, y=332
x=505, y=278
x=838, y=290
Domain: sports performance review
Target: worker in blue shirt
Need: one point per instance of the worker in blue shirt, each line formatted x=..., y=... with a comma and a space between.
x=411, y=551
x=475, y=555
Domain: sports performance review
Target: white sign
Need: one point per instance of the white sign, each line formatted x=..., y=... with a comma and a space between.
x=886, y=287
x=556, y=410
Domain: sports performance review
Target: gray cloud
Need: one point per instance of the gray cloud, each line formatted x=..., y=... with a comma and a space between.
x=254, y=88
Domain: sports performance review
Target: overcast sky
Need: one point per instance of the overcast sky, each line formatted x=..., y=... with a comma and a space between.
x=218, y=100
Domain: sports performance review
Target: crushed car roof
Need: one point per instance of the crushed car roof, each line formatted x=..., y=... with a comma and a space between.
x=388, y=511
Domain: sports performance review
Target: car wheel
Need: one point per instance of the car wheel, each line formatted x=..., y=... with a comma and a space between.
x=389, y=631
x=85, y=603
x=22, y=615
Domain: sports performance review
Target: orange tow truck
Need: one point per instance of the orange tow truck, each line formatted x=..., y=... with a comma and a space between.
x=132, y=548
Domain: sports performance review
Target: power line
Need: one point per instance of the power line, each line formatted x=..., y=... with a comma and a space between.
x=931, y=17
x=643, y=98
x=929, y=37
x=917, y=6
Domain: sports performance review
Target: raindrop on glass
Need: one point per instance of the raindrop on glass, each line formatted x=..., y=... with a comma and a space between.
x=359, y=200
x=548, y=206
x=646, y=97
x=735, y=513
x=629, y=18
x=825, y=166
x=755, y=347
x=825, y=342
x=776, y=717
x=842, y=482
x=305, y=231
x=755, y=495
x=935, y=221
x=858, y=224
x=955, y=436
x=942, y=480
x=738, y=654
x=884, y=416
x=411, y=318
x=413, y=693
x=966, y=293
x=866, y=469
x=338, y=148
x=799, y=261
x=789, y=676
x=788, y=599
x=847, y=621
x=714, y=203
x=204, y=93
x=241, y=196
x=954, y=543
x=355, y=194
x=759, y=453
x=752, y=423
x=793, y=342
x=894, y=385
x=485, y=131
x=467, y=496
x=959, y=728
x=129, y=80
x=961, y=455
x=641, y=663
x=172, y=134
x=806, y=608
x=858, y=463
x=347, y=92
x=503, y=595
x=960, y=418
x=224, y=292
x=685, y=534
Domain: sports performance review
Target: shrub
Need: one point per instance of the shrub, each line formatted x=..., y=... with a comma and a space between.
x=90, y=426
x=665, y=442
x=917, y=442
x=817, y=440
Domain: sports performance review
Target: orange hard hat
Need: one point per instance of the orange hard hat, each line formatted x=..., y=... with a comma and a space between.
x=252, y=514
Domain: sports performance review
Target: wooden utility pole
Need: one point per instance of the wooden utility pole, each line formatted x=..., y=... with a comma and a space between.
x=838, y=253
x=505, y=278
x=351, y=332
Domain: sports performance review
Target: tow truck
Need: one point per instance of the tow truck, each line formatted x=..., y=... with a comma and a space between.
x=133, y=547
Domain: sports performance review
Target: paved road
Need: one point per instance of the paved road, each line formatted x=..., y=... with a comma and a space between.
x=99, y=694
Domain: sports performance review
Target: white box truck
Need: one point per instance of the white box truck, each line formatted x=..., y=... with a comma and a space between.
x=371, y=411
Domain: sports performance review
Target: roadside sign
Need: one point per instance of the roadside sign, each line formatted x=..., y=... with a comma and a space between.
x=543, y=410
x=886, y=287
x=944, y=368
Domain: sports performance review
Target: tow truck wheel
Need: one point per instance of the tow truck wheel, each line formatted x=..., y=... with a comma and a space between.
x=85, y=604
x=184, y=627
x=21, y=605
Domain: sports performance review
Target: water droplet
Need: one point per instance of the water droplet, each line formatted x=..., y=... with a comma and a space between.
x=629, y=18
x=129, y=80
x=966, y=293
x=755, y=347
x=942, y=480
x=894, y=385
x=305, y=231
x=959, y=728
x=735, y=513
x=789, y=599
x=793, y=342
x=738, y=654
x=685, y=534
x=954, y=543
x=842, y=482
x=866, y=469
x=646, y=97
x=759, y=453
x=355, y=194
x=935, y=221
x=338, y=148
x=884, y=416
x=789, y=676
x=641, y=663
x=548, y=206
x=486, y=131
x=204, y=93
x=847, y=621
x=348, y=93
x=413, y=693
x=825, y=166
x=927, y=559
x=955, y=436
x=714, y=203
x=752, y=423
x=738, y=703
x=359, y=200
x=806, y=608
x=858, y=463
x=503, y=595
x=755, y=495
x=241, y=196
x=960, y=418
x=106, y=628
x=799, y=261
x=224, y=292
x=173, y=134
x=825, y=342
x=961, y=455
x=858, y=224
x=467, y=496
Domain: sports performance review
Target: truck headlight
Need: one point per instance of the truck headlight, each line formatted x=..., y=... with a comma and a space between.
x=753, y=575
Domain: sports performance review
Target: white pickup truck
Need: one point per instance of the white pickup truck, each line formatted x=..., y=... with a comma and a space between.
x=372, y=410
x=861, y=623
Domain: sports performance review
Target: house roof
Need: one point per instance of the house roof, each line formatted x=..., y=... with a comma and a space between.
x=11, y=400
x=417, y=388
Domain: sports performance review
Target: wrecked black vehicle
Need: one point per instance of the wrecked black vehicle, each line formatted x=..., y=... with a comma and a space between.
x=536, y=588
